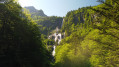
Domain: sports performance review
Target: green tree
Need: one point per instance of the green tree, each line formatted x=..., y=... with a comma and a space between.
x=20, y=40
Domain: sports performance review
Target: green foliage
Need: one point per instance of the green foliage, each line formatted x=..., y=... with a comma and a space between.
x=78, y=18
x=48, y=24
x=91, y=37
x=20, y=40
x=92, y=40
x=69, y=52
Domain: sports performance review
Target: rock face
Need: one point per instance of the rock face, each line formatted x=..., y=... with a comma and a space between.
x=31, y=9
x=35, y=12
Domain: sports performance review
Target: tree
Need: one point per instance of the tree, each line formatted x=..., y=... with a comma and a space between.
x=20, y=40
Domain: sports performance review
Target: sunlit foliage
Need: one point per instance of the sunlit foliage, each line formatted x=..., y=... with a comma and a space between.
x=92, y=37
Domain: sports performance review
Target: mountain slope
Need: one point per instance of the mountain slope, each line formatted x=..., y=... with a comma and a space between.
x=35, y=12
x=92, y=37
x=46, y=23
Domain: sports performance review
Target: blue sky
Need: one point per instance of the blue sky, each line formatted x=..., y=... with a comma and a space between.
x=57, y=7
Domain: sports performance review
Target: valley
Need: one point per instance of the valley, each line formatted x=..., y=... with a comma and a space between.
x=84, y=37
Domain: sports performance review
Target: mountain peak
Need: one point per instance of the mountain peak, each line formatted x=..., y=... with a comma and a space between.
x=35, y=12
x=31, y=9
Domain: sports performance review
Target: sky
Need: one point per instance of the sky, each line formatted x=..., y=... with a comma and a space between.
x=57, y=7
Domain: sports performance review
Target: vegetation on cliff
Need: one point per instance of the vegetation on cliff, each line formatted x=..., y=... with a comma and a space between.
x=92, y=37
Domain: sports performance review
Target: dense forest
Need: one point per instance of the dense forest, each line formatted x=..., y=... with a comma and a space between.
x=21, y=44
x=91, y=36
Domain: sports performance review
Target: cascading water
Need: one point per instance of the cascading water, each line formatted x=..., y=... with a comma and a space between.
x=62, y=22
x=57, y=38
x=53, y=53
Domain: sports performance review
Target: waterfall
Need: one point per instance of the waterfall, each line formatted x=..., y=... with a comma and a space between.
x=57, y=37
x=62, y=22
x=53, y=53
